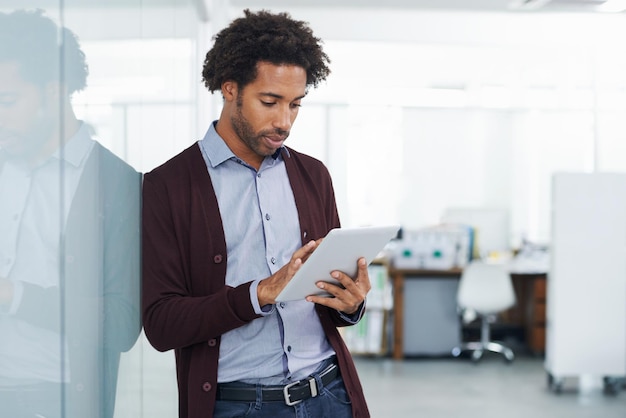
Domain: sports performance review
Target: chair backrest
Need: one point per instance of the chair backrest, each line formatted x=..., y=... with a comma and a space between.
x=485, y=288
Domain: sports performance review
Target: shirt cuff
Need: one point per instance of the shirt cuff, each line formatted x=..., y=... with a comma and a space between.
x=259, y=310
x=355, y=317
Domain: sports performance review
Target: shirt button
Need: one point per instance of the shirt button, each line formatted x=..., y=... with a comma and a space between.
x=273, y=260
x=289, y=348
x=212, y=342
x=282, y=305
x=267, y=216
x=217, y=259
x=258, y=175
x=206, y=386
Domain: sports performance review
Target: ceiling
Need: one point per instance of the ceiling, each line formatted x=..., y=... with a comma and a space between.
x=441, y=5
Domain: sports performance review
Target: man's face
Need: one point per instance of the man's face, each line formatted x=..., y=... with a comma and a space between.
x=267, y=107
x=26, y=119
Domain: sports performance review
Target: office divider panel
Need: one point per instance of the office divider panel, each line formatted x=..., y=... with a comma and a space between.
x=586, y=300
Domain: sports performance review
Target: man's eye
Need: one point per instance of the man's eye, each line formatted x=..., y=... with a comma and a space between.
x=268, y=103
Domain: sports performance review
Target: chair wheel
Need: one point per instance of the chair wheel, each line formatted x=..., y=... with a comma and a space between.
x=611, y=386
x=554, y=384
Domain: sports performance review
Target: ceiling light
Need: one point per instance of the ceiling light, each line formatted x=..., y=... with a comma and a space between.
x=527, y=4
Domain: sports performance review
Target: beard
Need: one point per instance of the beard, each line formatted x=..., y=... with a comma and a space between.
x=253, y=140
x=29, y=142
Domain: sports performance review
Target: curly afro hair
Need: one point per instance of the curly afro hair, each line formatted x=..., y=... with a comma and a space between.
x=263, y=37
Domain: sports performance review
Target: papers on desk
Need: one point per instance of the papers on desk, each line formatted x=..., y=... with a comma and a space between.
x=530, y=261
x=439, y=247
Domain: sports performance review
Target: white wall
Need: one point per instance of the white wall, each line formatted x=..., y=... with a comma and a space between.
x=486, y=106
x=491, y=105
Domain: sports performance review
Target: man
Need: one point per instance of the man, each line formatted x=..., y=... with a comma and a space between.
x=69, y=234
x=228, y=222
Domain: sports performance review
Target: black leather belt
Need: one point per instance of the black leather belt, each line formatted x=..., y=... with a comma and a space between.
x=291, y=394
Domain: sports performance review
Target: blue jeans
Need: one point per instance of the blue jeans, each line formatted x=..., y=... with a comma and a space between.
x=332, y=402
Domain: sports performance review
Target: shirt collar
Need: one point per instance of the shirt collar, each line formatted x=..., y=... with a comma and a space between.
x=217, y=151
x=77, y=148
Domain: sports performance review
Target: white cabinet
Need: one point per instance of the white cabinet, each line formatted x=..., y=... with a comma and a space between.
x=586, y=295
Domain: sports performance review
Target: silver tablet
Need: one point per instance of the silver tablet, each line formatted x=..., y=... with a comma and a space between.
x=339, y=250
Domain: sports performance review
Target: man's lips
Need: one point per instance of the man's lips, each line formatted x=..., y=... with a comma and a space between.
x=276, y=139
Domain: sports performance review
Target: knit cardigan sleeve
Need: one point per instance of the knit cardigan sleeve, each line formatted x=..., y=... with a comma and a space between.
x=185, y=300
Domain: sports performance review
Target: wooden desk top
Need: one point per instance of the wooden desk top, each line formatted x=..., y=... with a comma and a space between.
x=424, y=272
x=457, y=271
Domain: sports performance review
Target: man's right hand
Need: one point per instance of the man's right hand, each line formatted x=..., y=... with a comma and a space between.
x=269, y=288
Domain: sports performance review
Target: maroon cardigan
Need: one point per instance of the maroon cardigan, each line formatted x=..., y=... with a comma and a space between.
x=186, y=304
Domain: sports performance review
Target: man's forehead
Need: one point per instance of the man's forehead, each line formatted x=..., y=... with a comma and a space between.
x=280, y=81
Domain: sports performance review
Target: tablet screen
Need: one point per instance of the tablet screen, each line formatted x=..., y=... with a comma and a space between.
x=339, y=250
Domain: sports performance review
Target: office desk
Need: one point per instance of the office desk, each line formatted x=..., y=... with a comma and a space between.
x=528, y=312
x=530, y=309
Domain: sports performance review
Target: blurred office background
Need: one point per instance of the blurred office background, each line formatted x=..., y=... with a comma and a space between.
x=468, y=106
x=431, y=105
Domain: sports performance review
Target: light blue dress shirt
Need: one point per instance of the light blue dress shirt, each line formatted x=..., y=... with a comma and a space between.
x=262, y=231
x=35, y=206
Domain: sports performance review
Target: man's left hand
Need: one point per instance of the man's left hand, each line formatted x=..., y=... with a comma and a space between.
x=348, y=298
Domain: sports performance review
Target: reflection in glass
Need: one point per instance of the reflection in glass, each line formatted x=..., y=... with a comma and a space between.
x=69, y=240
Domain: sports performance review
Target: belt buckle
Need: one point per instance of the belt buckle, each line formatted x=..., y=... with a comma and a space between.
x=312, y=386
x=287, y=396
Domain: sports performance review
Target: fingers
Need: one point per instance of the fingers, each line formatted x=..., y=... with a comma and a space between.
x=357, y=285
x=351, y=292
x=305, y=251
x=362, y=278
x=269, y=288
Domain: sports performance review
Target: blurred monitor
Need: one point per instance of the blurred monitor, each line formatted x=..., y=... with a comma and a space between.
x=491, y=227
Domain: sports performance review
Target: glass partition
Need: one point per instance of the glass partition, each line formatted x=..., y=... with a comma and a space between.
x=92, y=94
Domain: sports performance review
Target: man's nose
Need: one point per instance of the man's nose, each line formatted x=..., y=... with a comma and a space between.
x=283, y=119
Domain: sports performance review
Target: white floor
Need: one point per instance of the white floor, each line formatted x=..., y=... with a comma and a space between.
x=452, y=388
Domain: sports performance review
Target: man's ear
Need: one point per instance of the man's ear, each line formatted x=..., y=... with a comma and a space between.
x=54, y=94
x=229, y=90
x=53, y=91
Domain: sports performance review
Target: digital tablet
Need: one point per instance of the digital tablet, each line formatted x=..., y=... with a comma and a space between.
x=339, y=250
